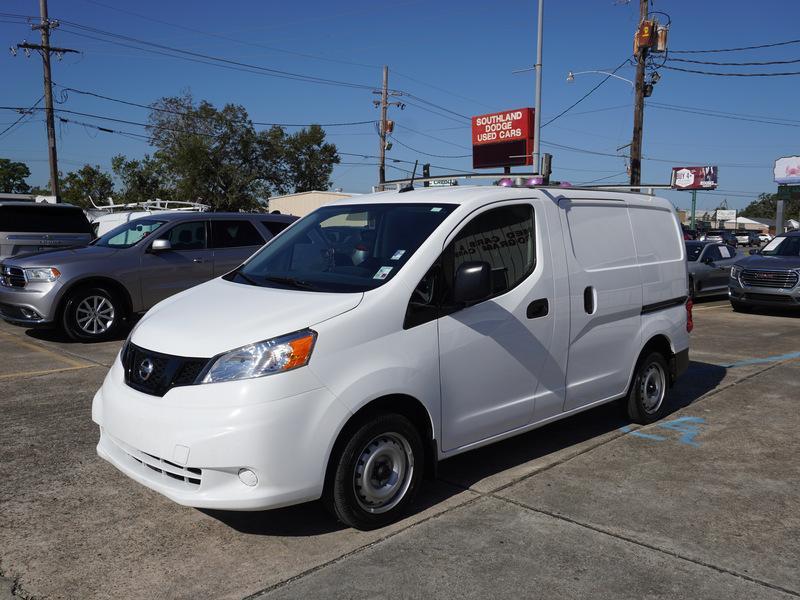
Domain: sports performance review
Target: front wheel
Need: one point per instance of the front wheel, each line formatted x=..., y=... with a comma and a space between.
x=377, y=473
x=92, y=314
x=646, y=397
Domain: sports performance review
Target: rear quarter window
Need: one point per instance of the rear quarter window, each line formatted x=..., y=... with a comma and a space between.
x=42, y=218
x=656, y=234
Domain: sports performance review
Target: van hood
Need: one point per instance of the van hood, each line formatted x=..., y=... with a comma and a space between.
x=57, y=257
x=219, y=315
x=757, y=261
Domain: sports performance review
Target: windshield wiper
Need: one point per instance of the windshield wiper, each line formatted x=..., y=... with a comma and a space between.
x=248, y=279
x=290, y=281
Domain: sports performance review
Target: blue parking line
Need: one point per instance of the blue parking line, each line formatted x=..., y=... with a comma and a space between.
x=761, y=361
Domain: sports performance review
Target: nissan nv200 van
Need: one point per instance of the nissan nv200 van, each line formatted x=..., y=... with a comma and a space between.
x=386, y=332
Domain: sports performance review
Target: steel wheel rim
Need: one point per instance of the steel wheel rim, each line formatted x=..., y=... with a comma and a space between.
x=383, y=473
x=653, y=388
x=95, y=314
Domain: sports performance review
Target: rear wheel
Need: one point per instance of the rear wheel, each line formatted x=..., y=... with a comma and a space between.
x=92, y=314
x=376, y=473
x=648, y=391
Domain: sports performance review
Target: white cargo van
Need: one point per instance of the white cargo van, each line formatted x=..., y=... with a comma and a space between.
x=383, y=333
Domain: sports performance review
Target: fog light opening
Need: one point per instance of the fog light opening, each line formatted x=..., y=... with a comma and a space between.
x=29, y=314
x=247, y=477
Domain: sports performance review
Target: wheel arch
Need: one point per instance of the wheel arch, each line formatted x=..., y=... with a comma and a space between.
x=111, y=284
x=403, y=404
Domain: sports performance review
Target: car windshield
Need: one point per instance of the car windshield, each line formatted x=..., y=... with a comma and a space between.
x=783, y=246
x=128, y=234
x=346, y=248
x=693, y=250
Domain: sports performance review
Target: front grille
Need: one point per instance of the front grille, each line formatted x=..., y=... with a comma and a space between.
x=12, y=276
x=167, y=469
x=155, y=373
x=776, y=298
x=770, y=279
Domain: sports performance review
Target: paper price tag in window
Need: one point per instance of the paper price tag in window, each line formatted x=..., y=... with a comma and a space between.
x=398, y=255
x=383, y=273
x=725, y=252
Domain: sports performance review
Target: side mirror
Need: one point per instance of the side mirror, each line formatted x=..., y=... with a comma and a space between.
x=473, y=282
x=707, y=260
x=752, y=252
x=160, y=246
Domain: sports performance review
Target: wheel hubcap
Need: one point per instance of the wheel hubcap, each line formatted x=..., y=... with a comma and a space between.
x=653, y=388
x=383, y=473
x=95, y=314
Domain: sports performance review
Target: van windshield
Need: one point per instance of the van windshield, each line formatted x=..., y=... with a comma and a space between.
x=347, y=248
x=128, y=234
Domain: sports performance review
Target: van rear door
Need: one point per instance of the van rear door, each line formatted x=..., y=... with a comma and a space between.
x=605, y=299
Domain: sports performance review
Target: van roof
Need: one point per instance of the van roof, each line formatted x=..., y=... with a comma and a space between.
x=15, y=203
x=183, y=215
x=478, y=195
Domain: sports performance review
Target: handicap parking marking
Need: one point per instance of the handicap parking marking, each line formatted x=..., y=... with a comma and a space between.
x=688, y=427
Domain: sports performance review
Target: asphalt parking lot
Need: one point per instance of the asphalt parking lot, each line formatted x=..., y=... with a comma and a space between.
x=703, y=504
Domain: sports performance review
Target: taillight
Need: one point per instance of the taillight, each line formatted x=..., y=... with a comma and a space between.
x=689, y=321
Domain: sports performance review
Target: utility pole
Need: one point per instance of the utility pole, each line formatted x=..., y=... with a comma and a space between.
x=385, y=126
x=537, y=115
x=638, y=108
x=46, y=50
x=382, y=131
x=694, y=210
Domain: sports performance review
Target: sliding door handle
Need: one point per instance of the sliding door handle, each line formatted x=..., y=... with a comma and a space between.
x=588, y=300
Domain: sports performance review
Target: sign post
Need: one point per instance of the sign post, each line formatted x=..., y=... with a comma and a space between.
x=503, y=139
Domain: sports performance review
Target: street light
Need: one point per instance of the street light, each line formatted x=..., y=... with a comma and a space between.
x=571, y=76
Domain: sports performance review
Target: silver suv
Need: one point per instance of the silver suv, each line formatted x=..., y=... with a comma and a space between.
x=91, y=291
x=30, y=227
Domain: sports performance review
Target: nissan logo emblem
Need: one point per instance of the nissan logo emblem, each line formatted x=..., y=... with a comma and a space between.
x=145, y=369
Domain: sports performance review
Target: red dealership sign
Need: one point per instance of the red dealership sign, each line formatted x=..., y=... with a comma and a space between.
x=502, y=139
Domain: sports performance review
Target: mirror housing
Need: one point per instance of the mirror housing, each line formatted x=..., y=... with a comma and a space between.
x=160, y=246
x=707, y=260
x=753, y=251
x=473, y=282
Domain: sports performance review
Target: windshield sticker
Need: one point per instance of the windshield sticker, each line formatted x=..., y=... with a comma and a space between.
x=773, y=244
x=436, y=209
x=398, y=255
x=383, y=272
x=725, y=252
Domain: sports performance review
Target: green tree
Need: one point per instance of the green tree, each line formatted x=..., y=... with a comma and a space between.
x=216, y=156
x=766, y=205
x=141, y=180
x=77, y=187
x=12, y=177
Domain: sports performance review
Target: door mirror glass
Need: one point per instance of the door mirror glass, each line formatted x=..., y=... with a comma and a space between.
x=161, y=246
x=707, y=260
x=473, y=282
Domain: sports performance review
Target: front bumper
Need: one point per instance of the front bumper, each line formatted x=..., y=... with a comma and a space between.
x=763, y=296
x=191, y=444
x=31, y=306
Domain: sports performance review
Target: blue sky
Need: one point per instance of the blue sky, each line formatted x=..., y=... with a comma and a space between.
x=456, y=55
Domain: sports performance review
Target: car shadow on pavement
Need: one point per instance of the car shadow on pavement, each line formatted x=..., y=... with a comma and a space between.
x=57, y=335
x=463, y=471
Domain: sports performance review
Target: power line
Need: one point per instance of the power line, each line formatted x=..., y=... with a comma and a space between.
x=25, y=113
x=433, y=137
x=783, y=74
x=183, y=113
x=721, y=116
x=736, y=64
x=786, y=43
x=428, y=153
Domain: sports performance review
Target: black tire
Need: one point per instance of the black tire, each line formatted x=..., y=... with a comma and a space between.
x=395, y=440
x=83, y=326
x=741, y=307
x=647, y=397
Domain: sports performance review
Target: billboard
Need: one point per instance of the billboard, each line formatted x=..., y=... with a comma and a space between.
x=694, y=178
x=787, y=170
x=502, y=139
x=726, y=214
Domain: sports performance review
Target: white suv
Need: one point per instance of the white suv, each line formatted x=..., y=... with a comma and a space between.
x=383, y=333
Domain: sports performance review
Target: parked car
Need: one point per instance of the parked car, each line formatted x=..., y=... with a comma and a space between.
x=720, y=236
x=383, y=333
x=91, y=291
x=747, y=238
x=768, y=277
x=709, y=265
x=31, y=227
x=764, y=237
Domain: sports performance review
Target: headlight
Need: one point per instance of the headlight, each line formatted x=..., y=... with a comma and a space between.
x=49, y=274
x=736, y=270
x=264, y=358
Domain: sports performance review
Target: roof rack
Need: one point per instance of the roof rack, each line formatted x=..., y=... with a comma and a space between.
x=156, y=204
x=644, y=188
